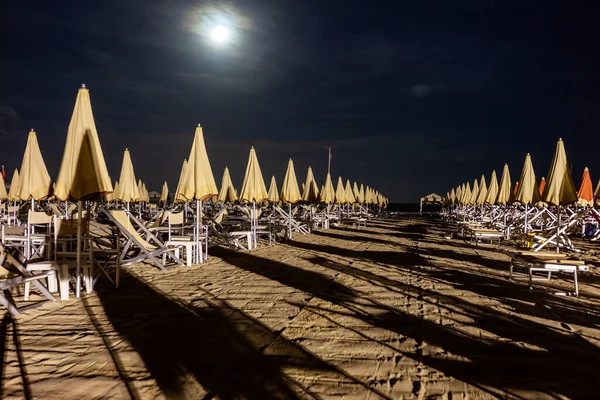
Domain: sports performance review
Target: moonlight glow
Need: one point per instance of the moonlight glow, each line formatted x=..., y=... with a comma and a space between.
x=219, y=34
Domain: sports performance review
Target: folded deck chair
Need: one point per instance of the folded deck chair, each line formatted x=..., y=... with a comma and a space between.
x=142, y=249
x=14, y=273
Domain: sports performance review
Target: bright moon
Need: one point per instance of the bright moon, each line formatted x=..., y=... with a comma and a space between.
x=219, y=34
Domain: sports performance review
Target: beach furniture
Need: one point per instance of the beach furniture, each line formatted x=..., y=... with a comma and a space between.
x=13, y=273
x=547, y=263
x=137, y=248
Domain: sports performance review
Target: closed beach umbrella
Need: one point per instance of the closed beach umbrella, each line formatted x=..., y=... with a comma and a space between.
x=253, y=188
x=140, y=187
x=128, y=189
x=492, y=191
x=13, y=192
x=350, y=199
x=273, y=193
x=474, y=193
x=311, y=190
x=328, y=193
x=585, y=195
x=227, y=194
x=560, y=189
x=290, y=193
x=458, y=193
x=83, y=174
x=452, y=196
x=504, y=194
x=466, y=200
x=355, y=192
x=3, y=194
x=482, y=191
x=542, y=186
x=164, y=195
x=199, y=182
x=528, y=190
x=340, y=192
x=146, y=195
x=361, y=194
x=34, y=180
x=178, y=194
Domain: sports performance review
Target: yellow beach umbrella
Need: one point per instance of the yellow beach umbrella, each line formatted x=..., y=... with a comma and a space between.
x=504, y=189
x=474, y=193
x=164, y=195
x=311, y=190
x=253, y=188
x=452, y=196
x=492, y=191
x=146, y=195
x=112, y=196
x=199, y=182
x=361, y=194
x=482, y=191
x=290, y=193
x=340, y=192
x=178, y=194
x=128, y=190
x=559, y=189
x=527, y=191
x=458, y=193
x=34, y=181
x=13, y=192
x=227, y=194
x=140, y=187
x=350, y=199
x=467, y=194
x=328, y=193
x=273, y=193
x=3, y=194
x=355, y=191
x=83, y=174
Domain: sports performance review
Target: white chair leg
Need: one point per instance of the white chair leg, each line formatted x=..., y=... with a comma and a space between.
x=63, y=281
x=53, y=282
x=27, y=288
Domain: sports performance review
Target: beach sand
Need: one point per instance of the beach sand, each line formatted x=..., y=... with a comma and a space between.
x=391, y=311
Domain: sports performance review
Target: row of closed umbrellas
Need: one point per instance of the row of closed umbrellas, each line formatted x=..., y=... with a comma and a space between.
x=83, y=174
x=558, y=189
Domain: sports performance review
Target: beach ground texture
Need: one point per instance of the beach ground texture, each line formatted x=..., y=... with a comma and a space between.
x=393, y=311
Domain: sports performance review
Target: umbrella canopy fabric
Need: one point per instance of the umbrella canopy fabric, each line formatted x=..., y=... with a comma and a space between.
x=112, y=196
x=483, y=189
x=164, y=195
x=452, y=196
x=355, y=191
x=492, y=192
x=199, y=182
x=328, y=193
x=311, y=190
x=273, y=193
x=128, y=189
x=542, y=186
x=585, y=195
x=528, y=190
x=458, y=193
x=559, y=189
x=145, y=195
x=350, y=199
x=34, y=180
x=340, y=192
x=140, y=186
x=290, y=193
x=14, y=187
x=83, y=174
x=3, y=194
x=504, y=189
x=253, y=188
x=178, y=194
x=227, y=194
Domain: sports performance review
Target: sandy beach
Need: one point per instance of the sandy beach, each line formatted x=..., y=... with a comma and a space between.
x=393, y=311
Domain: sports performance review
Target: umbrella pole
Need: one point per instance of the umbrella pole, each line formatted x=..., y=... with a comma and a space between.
x=254, y=223
x=290, y=215
x=558, y=232
x=78, y=269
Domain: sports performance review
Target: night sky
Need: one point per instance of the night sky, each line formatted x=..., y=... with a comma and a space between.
x=414, y=96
